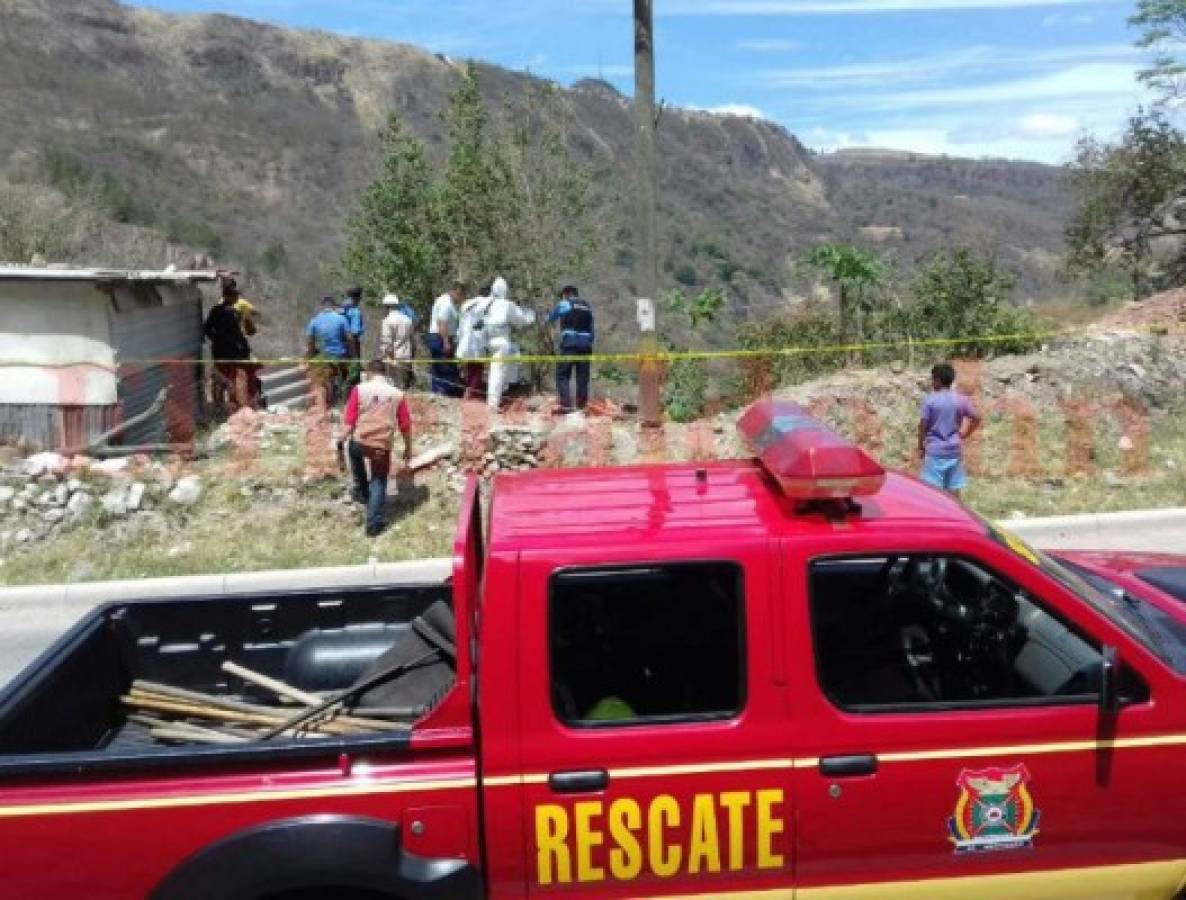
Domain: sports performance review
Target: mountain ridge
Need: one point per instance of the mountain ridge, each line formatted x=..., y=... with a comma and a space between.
x=254, y=141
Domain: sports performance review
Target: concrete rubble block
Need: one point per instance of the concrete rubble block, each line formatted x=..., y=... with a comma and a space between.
x=78, y=504
x=111, y=466
x=187, y=491
x=135, y=498
x=115, y=502
x=44, y=464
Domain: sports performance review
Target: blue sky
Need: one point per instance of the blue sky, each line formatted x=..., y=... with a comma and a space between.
x=1014, y=78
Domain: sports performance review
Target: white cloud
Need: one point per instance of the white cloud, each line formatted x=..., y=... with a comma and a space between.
x=941, y=142
x=840, y=7
x=1048, y=125
x=1115, y=81
x=963, y=63
x=769, y=45
x=1055, y=20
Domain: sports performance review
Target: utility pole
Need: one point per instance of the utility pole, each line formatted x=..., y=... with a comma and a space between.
x=650, y=407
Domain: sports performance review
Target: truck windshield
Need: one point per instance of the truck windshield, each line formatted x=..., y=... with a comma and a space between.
x=1124, y=612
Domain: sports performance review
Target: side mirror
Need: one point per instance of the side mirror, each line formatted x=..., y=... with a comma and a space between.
x=1110, y=681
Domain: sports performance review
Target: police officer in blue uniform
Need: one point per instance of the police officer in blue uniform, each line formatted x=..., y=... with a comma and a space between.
x=575, y=316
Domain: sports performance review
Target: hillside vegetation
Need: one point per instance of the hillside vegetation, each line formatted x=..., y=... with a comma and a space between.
x=253, y=143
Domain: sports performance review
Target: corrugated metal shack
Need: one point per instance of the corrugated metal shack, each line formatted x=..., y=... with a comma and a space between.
x=83, y=350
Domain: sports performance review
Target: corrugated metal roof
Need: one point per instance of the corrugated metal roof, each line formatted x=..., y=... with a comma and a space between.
x=29, y=273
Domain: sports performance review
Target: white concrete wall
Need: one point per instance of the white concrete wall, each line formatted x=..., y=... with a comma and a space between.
x=46, y=324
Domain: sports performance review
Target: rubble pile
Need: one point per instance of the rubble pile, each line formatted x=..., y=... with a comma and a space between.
x=1164, y=310
x=47, y=492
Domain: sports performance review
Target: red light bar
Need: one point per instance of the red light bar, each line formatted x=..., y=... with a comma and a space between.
x=807, y=459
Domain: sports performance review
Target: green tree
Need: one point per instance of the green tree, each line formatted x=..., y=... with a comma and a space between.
x=685, y=388
x=474, y=210
x=1126, y=193
x=549, y=232
x=1163, y=30
x=856, y=274
x=389, y=238
x=958, y=295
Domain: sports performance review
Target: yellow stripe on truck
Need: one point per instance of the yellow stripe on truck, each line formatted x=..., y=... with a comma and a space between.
x=1137, y=881
x=329, y=792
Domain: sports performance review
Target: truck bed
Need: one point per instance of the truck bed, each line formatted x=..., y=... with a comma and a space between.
x=68, y=701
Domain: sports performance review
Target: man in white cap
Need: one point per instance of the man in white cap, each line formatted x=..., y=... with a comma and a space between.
x=396, y=342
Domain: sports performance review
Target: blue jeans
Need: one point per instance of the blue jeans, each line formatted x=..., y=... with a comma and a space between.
x=564, y=373
x=374, y=488
x=445, y=378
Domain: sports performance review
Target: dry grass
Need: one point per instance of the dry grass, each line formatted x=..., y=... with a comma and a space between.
x=228, y=532
x=274, y=520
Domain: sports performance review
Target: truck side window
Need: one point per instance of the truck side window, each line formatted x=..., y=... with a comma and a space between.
x=941, y=631
x=652, y=643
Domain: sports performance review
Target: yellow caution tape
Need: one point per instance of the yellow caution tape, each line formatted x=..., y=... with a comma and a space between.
x=635, y=358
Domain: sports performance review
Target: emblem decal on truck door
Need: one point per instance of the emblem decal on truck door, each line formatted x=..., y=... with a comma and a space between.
x=995, y=811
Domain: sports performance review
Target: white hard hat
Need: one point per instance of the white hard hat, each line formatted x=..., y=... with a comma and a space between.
x=391, y=300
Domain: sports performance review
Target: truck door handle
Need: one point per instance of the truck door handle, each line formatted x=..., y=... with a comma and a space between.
x=583, y=782
x=848, y=766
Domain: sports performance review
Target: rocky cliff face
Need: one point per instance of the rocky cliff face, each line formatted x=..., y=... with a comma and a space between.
x=254, y=141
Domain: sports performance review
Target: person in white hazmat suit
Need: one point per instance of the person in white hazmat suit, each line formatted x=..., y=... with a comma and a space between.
x=503, y=316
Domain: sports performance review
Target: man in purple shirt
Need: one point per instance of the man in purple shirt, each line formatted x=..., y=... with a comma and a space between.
x=942, y=432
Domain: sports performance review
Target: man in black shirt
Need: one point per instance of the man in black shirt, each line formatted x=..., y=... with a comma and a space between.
x=230, y=349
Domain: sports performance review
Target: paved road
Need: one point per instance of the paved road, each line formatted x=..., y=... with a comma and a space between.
x=31, y=620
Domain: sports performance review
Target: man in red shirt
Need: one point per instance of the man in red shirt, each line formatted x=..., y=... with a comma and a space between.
x=375, y=410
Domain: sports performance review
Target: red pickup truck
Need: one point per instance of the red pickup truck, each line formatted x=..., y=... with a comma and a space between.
x=792, y=676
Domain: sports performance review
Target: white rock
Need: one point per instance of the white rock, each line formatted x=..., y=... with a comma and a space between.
x=111, y=466
x=54, y=515
x=23, y=536
x=115, y=502
x=73, y=485
x=20, y=504
x=6, y=494
x=187, y=491
x=78, y=505
x=41, y=463
x=61, y=495
x=135, y=497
